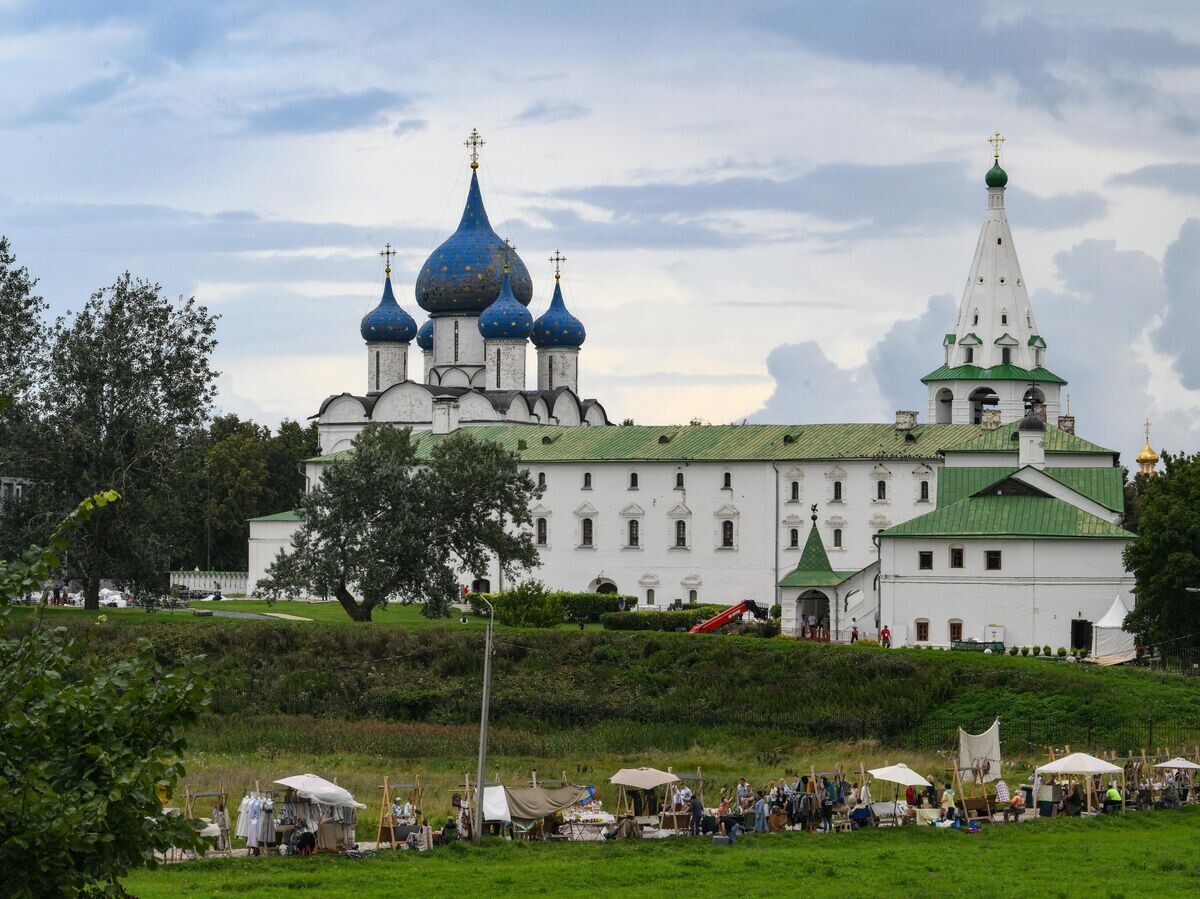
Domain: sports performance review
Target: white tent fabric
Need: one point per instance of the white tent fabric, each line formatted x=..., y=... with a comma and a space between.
x=900, y=774
x=318, y=789
x=495, y=806
x=1178, y=764
x=1079, y=763
x=980, y=752
x=642, y=778
x=1111, y=643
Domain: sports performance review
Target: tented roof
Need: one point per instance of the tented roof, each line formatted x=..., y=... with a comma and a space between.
x=642, y=778
x=318, y=789
x=1115, y=616
x=1178, y=763
x=1079, y=763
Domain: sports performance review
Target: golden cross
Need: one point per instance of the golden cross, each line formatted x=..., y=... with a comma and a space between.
x=387, y=255
x=558, y=258
x=506, y=249
x=996, y=140
x=1147, y=430
x=474, y=141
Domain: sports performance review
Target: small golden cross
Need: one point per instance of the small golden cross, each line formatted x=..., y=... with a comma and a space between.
x=387, y=255
x=996, y=140
x=507, y=249
x=474, y=141
x=1147, y=430
x=558, y=258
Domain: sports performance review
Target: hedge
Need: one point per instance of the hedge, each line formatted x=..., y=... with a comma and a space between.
x=659, y=621
x=576, y=606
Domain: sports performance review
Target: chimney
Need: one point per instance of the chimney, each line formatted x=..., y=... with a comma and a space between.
x=1039, y=409
x=445, y=414
x=1066, y=423
x=989, y=419
x=906, y=420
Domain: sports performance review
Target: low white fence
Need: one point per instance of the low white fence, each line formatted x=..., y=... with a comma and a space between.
x=230, y=583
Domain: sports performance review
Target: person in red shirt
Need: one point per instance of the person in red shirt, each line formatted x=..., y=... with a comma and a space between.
x=885, y=637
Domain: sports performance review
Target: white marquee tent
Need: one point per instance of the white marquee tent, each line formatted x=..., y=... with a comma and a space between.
x=1111, y=643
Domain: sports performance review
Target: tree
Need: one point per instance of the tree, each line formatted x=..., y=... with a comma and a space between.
x=390, y=523
x=85, y=745
x=1165, y=557
x=22, y=353
x=127, y=388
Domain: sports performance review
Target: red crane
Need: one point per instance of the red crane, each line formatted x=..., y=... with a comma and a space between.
x=725, y=616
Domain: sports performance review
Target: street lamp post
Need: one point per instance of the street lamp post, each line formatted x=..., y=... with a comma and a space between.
x=483, y=722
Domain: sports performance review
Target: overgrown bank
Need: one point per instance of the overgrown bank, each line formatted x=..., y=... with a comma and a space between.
x=572, y=679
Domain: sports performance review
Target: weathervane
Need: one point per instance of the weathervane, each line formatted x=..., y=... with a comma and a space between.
x=814, y=514
x=558, y=259
x=507, y=248
x=474, y=141
x=387, y=255
x=996, y=140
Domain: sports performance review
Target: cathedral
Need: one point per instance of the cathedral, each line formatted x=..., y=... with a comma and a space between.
x=990, y=520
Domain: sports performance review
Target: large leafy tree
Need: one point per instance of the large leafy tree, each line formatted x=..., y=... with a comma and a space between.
x=128, y=386
x=85, y=745
x=22, y=354
x=1165, y=557
x=388, y=523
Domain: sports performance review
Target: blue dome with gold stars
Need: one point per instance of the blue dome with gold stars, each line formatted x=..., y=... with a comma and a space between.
x=388, y=322
x=464, y=274
x=556, y=328
x=505, y=319
x=425, y=335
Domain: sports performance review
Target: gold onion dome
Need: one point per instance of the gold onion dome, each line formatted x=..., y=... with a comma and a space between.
x=1147, y=454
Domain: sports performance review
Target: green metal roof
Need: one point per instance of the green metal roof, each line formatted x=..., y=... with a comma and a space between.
x=971, y=339
x=1036, y=340
x=1102, y=485
x=292, y=515
x=1009, y=517
x=717, y=443
x=1005, y=339
x=995, y=373
x=813, y=569
x=1056, y=440
x=948, y=339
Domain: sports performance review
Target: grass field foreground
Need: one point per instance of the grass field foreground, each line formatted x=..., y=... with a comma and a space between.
x=1138, y=854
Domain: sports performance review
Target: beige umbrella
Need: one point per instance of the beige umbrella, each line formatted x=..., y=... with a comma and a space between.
x=642, y=778
x=900, y=774
x=1179, y=765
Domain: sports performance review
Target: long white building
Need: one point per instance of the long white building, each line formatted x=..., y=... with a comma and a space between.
x=899, y=523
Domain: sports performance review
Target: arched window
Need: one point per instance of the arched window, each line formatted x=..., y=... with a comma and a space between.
x=377, y=370
x=456, y=340
x=650, y=596
x=924, y=491
x=727, y=534
x=633, y=532
x=837, y=538
x=587, y=480
x=1003, y=315
x=794, y=538
x=679, y=480
x=969, y=358
x=727, y=481
x=586, y=535
x=681, y=533
x=881, y=490
x=837, y=491
x=1006, y=355
x=975, y=317
x=795, y=491
x=541, y=532
x=541, y=479
x=693, y=597
x=633, y=480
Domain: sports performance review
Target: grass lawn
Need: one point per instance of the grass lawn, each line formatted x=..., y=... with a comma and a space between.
x=1139, y=854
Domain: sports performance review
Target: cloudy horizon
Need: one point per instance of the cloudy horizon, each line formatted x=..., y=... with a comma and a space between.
x=768, y=211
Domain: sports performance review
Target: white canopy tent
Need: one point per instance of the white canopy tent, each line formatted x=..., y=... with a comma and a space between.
x=900, y=774
x=318, y=789
x=1111, y=643
x=1178, y=764
x=638, y=779
x=1088, y=766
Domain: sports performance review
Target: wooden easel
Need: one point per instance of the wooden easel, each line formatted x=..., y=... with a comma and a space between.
x=189, y=811
x=415, y=797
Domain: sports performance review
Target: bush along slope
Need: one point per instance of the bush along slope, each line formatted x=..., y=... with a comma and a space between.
x=569, y=678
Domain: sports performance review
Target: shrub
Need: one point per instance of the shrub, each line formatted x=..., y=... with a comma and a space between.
x=475, y=601
x=1046, y=650
x=1037, y=650
x=866, y=642
x=777, y=611
x=1062, y=652
x=658, y=621
x=590, y=606
x=1012, y=650
x=529, y=605
x=1084, y=653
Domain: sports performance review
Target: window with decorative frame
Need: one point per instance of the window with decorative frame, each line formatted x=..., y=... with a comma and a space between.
x=681, y=533
x=727, y=534
x=794, y=538
x=586, y=528
x=922, y=630
x=795, y=496
x=634, y=529
x=541, y=532
x=955, y=631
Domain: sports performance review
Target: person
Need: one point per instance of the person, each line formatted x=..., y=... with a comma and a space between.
x=686, y=794
x=828, y=795
x=745, y=794
x=1074, y=802
x=1002, y=794
x=885, y=637
x=696, y=807
x=761, y=814
x=1016, y=807
x=910, y=795
x=1170, y=793
x=1112, y=798
x=853, y=630
x=948, y=799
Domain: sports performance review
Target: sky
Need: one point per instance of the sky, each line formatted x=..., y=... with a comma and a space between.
x=768, y=209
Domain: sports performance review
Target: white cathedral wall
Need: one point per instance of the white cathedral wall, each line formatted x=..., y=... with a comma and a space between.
x=505, y=364
x=565, y=363
x=1042, y=586
x=387, y=364
x=470, y=341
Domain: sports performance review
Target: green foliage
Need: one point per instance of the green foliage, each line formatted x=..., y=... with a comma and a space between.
x=1165, y=557
x=590, y=606
x=1012, y=650
x=659, y=621
x=85, y=743
x=1025, y=651
x=777, y=611
x=392, y=526
x=1046, y=650
x=1037, y=650
x=1062, y=652
x=529, y=605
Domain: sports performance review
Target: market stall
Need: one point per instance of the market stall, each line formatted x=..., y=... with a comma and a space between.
x=637, y=796
x=1183, y=767
x=1111, y=643
x=318, y=806
x=900, y=775
x=1080, y=764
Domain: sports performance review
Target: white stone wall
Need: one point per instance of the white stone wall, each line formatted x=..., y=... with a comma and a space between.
x=387, y=364
x=565, y=364
x=267, y=538
x=427, y=358
x=470, y=341
x=504, y=364
x=1041, y=587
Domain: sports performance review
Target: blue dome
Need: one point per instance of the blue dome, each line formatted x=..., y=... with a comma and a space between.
x=505, y=319
x=556, y=327
x=425, y=335
x=387, y=321
x=463, y=275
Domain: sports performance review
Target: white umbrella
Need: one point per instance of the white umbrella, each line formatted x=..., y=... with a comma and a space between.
x=1079, y=763
x=1179, y=764
x=318, y=789
x=900, y=774
x=642, y=778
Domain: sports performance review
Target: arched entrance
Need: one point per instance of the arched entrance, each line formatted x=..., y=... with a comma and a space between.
x=812, y=615
x=944, y=408
x=602, y=585
x=1033, y=398
x=481, y=585
x=981, y=400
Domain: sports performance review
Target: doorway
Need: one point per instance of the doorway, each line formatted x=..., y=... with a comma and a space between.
x=1081, y=634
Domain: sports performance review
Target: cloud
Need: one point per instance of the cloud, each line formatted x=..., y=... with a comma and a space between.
x=811, y=388
x=1174, y=177
x=1050, y=59
x=543, y=112
x=1181, y=316
x=409, y=126
x=326, y=112
x=67, y=105
x=911, y=342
